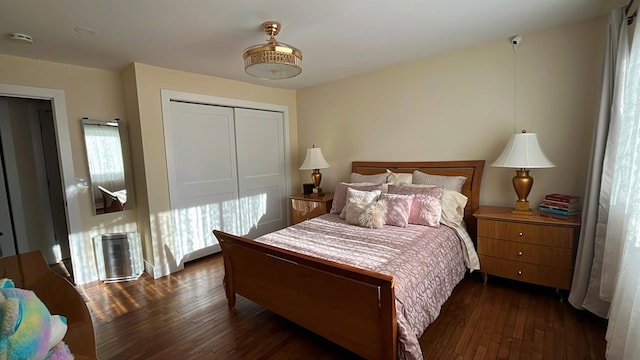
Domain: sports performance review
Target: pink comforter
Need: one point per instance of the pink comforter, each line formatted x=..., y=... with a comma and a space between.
x=426, y=263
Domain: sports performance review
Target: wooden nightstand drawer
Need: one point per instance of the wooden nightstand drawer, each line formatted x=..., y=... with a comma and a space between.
x=531, y=248
x=529, y=233
x=308, y=209
x=535, y=274
x=528, y=253
x=305, y=207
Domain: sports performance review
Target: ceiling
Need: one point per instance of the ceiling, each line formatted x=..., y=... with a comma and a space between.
x=338, y=38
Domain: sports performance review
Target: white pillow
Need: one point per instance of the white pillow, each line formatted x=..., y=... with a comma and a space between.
x=375, y=178
x=445, y=182
x=340, y=194
x=399, y=178
x=453, y=204
x=352, y=212
x=370, y=215
x=359, y=196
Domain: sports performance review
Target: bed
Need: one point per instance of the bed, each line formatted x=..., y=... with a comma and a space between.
x=354, y=306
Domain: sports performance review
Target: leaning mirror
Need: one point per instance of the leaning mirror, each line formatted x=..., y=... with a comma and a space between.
x=107, y=152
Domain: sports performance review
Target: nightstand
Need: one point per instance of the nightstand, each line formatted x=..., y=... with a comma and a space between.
x=305, y=207
x=535, y=249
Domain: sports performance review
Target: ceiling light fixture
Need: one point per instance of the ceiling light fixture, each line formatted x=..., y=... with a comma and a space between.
x=24, y=38
x=273, y=60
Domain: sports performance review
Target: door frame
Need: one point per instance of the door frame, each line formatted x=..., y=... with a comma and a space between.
x=65, y=154
x=8, y=244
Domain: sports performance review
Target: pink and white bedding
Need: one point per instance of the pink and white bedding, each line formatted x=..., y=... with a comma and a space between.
x=426, y=263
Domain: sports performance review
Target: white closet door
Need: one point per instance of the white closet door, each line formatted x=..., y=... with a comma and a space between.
x=201, y=163
x=261, y=171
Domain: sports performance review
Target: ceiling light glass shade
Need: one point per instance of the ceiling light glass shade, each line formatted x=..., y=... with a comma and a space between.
x=523, y=152
x=314, y=160
x=273, y=60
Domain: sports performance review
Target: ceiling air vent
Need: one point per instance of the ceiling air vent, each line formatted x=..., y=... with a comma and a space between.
x=24, y=38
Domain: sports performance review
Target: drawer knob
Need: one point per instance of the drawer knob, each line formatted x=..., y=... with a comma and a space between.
x=307, y=208
x=519, y=272
x=519, y=253
x=520, y=234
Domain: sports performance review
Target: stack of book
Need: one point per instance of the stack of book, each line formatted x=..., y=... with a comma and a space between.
x=560, y=204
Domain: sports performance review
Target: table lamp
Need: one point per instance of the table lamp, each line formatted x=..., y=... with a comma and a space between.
x=523, y=153
x=315, y=161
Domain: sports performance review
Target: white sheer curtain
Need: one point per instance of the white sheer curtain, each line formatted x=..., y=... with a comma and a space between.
x=588, y=273
x=609, y=247
x=104, y=153
x=622, y=244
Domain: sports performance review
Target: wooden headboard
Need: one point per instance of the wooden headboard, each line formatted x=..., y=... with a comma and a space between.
x=471, y=169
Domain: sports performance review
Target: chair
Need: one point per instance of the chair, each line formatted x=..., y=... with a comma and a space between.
x=111, y=201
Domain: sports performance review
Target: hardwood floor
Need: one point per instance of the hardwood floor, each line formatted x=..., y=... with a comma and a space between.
x=185, y=316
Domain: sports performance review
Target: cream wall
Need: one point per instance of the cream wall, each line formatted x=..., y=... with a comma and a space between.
x=149, y=80
x=89, y=92
x=460, y=106
x=134, y=96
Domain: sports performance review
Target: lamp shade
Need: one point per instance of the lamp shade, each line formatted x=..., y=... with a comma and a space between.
x=523, y=152
x=314, y=160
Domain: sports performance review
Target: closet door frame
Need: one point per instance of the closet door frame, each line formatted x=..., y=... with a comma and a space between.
x=172, y=95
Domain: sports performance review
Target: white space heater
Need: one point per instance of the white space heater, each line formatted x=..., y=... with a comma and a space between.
x=118, y=256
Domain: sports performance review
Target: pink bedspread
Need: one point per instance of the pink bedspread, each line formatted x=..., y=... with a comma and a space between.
x=426, y=263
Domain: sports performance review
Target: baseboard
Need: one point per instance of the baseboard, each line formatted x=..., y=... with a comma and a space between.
x=168, y=268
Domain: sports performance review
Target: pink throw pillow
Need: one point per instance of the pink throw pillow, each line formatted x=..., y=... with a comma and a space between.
x=398, y=208
x=426, y=207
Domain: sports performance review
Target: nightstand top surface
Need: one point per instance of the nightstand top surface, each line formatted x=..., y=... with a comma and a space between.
x=313, y=197
x=504, y=213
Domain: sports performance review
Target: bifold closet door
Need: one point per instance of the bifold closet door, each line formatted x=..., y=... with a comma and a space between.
x=261, y=171
x=226, y=170
x=201, y=167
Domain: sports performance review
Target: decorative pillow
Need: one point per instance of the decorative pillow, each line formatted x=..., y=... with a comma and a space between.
x=375, y=178
x=373, y=215
x=445, y=182
x=426, y=208
x=359, y=196
x=399, y=178
x=352, y=212
x=398, y=208
x=340, y=194
x=453, y=204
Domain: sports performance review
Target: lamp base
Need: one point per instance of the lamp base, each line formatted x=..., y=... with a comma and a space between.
x=316, y=177
x=522, y=184
x=522, y=208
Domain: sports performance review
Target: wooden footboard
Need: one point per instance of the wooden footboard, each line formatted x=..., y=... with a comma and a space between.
x=352, y=307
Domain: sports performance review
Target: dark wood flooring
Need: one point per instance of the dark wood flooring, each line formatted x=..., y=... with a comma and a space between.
x=185, y=316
